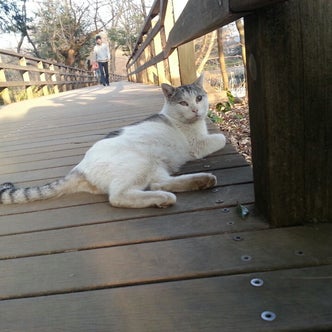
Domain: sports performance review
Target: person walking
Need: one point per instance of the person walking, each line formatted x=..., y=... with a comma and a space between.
x=101, y=55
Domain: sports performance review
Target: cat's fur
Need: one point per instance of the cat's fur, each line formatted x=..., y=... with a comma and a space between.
x=134, y=165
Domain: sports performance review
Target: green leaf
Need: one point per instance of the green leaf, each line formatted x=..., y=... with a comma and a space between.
x=242, y=211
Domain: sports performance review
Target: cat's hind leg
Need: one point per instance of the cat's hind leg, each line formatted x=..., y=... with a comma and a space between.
x=129, y=191
x=135, y=198
x=186, y=182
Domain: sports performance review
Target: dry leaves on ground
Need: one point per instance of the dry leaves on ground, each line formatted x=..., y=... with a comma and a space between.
x=234, y=124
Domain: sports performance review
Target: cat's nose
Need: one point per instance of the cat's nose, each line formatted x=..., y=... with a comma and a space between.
x=194, y=110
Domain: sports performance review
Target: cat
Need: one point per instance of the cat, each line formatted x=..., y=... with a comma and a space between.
x=134, y=165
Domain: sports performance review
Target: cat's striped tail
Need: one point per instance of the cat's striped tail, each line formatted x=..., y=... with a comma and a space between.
x=11, y=195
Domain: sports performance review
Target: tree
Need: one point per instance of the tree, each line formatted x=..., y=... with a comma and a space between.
x=240, y=27
x=205, y=51
x=224, y=74
x=125, y=26
x=14, y=19
x=8, y=11
x=64, y=32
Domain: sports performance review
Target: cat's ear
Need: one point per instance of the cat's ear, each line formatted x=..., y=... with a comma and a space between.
x=168, y=90
x=200, y=80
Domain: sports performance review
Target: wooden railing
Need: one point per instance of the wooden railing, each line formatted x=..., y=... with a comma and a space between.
x=26, y=77
x=167, y=31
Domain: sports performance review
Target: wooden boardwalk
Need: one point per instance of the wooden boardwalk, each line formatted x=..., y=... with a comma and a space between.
x=77, y=264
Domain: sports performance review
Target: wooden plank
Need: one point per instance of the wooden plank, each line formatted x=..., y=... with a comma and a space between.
x=47, y=144
x=60, y=122
x=34, y=158
x=40, y=166
x=249, y=5
x=165, y=261
x=291, y=160
x=40, y=150
x=124, y=232
x=225, y=304
x=35, y=174
x=214, y=162
x=58, y=129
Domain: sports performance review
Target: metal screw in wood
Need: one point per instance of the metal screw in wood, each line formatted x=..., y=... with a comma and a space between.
x=257, y=282
x=268, y=316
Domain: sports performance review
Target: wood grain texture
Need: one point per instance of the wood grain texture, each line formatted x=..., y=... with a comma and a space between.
x=99, y=233
x=162, y=261
x=288, y=99
x=225, y=304
x=249, y=5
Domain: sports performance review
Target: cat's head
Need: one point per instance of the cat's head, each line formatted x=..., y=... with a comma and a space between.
x=186, y=103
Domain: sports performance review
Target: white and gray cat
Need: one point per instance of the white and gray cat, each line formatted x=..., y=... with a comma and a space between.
x=134, y=165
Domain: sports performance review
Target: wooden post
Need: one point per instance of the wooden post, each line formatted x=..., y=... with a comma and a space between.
x=186, y=52
x=142, y=75
x=151, y=71
x=160, y=65
x=187, y=64
x=4, y=92
x=42, y=77
x=54, y=79
x=63, y=78
x=289, y=67
x=173, y=60
x=26, y=78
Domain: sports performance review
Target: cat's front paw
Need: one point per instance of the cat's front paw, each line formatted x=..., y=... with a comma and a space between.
x=220, y=141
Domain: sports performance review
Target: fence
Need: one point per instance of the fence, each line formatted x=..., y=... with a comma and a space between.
x=165, y=50
x=26, y=77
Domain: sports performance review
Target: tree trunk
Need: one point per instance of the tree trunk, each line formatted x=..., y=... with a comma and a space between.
x=70, y=57
x=206, y=43
x=240, y=27
x=19, y=45
x=222, y=59
x=33, y=45
x=207, y=52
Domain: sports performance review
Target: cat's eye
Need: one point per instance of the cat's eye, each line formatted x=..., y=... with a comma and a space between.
x=183, y=103
x=199, y=98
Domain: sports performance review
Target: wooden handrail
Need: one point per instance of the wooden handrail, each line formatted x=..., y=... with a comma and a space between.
x=28, y=76
x=197, y=19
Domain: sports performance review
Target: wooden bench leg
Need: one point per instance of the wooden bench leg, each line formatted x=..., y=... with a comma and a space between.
x=289, y=83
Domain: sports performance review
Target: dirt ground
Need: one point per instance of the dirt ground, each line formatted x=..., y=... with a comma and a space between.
x=235, y=125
